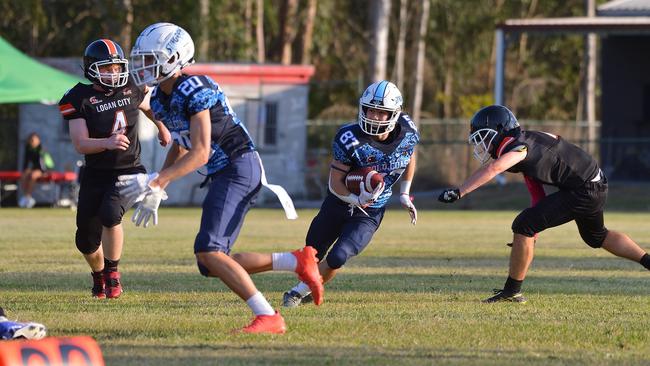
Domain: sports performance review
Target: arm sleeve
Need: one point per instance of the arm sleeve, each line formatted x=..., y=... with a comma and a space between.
x=70, y=107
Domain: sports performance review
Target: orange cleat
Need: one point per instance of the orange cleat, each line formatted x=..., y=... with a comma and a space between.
x=113, y=284
x=98, y=289
x=307, y=270
x=269, y=324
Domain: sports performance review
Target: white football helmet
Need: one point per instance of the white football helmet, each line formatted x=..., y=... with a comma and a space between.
x=382, y=95
x=159, y=52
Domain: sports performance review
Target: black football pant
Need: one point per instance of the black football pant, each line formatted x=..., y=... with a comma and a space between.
x=584, y=205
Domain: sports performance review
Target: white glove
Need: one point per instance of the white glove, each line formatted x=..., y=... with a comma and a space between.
x=131, y=186
x=405, y=200
x=367, y=198
x=148, y=208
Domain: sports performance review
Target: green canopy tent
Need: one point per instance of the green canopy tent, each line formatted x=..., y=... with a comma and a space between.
x=25, y=80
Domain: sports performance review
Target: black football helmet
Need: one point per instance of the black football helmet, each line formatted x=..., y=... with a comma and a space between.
x=488, y=128
x=105, y=52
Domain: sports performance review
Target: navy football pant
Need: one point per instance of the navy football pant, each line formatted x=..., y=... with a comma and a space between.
x=232, y=193
x=343, y=235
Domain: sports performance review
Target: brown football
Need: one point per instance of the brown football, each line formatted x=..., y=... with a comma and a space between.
x=370, y=177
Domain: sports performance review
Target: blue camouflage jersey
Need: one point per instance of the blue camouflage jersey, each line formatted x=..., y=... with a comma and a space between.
x=192, y=94
x=357, y=149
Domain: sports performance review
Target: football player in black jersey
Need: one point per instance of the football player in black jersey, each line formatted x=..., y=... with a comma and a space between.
x=543, y=158
x=103, y=120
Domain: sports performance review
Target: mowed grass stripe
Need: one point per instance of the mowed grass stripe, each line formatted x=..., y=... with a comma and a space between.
x=413, y=297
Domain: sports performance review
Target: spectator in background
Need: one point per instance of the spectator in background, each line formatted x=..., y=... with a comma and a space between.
x=37, y=162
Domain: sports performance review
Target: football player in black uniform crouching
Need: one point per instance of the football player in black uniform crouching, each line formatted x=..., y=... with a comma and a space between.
x=543, y=158
x=103, y=120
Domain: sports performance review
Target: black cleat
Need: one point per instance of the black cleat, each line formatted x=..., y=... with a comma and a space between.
x=501, y=296
x=292, y=299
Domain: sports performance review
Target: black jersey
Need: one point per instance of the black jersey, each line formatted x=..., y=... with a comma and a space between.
x=106, y=114
x=550, y=159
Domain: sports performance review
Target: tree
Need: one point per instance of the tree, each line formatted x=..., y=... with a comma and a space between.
x=287, y=29
x=378, y=47
x=309, y=31
x=419, y=59
x=204, y=37
x=259, y=32
x=398, y=69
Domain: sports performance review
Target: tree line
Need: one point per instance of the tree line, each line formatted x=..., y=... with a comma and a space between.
x=440, y=53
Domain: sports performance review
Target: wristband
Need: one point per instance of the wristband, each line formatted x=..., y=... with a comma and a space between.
x=405, y=187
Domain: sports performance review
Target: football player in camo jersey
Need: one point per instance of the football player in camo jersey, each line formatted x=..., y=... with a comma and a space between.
x=384, y=139
x=543, y=158
x=206, y=132
x=103, y=119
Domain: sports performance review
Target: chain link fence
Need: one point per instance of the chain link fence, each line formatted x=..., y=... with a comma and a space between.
x=444, y=156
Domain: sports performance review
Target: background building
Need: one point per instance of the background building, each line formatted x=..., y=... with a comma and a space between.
x=271, y=100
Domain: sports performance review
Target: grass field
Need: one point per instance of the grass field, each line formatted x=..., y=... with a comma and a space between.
x=413, y=297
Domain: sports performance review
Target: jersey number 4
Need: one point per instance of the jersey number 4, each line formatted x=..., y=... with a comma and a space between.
x=119, y=122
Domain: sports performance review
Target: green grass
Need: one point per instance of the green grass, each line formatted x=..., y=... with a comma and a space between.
x=413, y=297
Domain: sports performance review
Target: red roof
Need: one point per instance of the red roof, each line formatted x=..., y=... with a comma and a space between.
x=254, y=74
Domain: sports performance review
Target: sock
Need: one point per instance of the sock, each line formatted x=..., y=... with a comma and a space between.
x=284, y=261
x=302, y=289
x=259, y=305
x=512, y=286
x=110, y=266
x=645, y=261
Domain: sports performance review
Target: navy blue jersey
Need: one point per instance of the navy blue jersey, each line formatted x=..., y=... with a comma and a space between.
x=357, y=149
x=193, y=94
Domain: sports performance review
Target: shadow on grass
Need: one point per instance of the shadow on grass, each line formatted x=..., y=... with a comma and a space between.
x=446, y=275
x=340, y=355
x=544, y=262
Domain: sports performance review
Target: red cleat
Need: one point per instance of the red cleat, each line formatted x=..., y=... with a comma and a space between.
x=98, y=289
x=307, y=270
x=269, y=324
x=113, y=285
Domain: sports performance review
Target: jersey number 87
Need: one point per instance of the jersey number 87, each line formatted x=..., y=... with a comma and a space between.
x=348, y=139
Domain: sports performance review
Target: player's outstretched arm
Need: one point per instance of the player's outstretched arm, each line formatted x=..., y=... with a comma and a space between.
x=487, y=172
x=483, y=175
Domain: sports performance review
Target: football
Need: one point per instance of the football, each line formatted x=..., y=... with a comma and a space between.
x=371, y=179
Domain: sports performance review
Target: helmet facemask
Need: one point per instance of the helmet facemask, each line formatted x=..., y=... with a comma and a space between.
x=377, y=127
x=110, y=79
x=482, y=141
x=161, y=50
x=146, y=66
